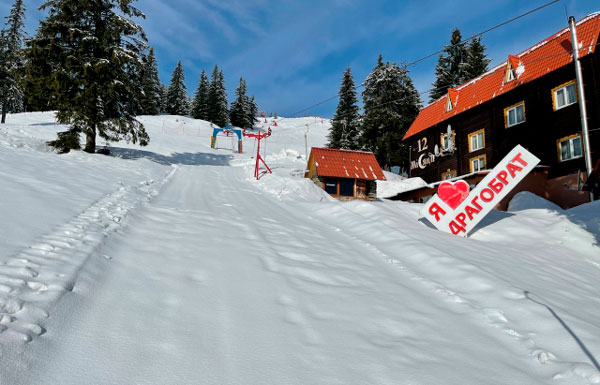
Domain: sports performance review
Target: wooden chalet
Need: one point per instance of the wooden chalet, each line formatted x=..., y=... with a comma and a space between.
x=344, y=174
x=531, y=99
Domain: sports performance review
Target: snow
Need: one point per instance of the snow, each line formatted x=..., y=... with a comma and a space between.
x=520, y=70
x=396, y=184
x=171, y=264
x=526, y=200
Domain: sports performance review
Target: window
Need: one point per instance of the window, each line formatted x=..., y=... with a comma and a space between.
x=347, y=187
x=564, y=95
x=514, y=114
x=569, y=147
x=448, y=105
x=446, y=140
x=331, y=186
x=510, y=75
x=339, y=187
x=477, y=163
x=477, y=140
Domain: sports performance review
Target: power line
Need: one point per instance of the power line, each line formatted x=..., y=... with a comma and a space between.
x=433, y=54
x=431, y=89
x=309, y=108
x=486, y=31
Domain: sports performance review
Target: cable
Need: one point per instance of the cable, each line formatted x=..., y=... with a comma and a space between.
x=308, y=108
x=486, y=31
x=433, y=54
x=431, y=89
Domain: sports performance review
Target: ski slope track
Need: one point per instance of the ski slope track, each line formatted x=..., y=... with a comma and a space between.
x=34, y=279
x=171, y=265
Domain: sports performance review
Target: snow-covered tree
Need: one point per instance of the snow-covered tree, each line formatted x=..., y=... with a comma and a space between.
x=241, y=112
x=177, y=93
x=253, y=110
x=391, y=104
x=344, y=131
x=92, y=47
x=200, y=102
x=164, y=99
x=450, y=70
x=12, y=60
x=477, y=60
x=150, y=83
x=217, y=99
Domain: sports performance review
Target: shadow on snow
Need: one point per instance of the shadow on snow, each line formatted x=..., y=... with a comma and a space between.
x=186, y=158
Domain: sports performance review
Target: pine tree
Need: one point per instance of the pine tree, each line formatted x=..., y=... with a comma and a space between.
x=391, y=103
x=344, y=131
x=451, y=68
x=150, y=83
x=12, y=60
x=177, y=93
x=164, y=99
x=91, y=47
x=200, y=102
x=253, y=113
x=217, y=99
x=372, y=97
x=477, y=60
x=240, y=114
x=135, y=73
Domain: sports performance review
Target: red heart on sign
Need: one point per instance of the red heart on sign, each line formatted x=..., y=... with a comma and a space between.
x=453, y=193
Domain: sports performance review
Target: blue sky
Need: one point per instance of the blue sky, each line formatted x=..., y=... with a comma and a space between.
x=293, y=53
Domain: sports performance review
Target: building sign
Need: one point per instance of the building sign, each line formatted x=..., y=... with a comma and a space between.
x=422, y=161
x=454, y=210
x=428, y=158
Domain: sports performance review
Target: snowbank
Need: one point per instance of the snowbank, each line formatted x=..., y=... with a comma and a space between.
x=526, y=200
x=397, y=185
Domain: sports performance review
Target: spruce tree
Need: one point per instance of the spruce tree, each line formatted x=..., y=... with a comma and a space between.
x=240, y=114
x=477, y=61
x=370, y=129
x=164, y=99
x=391, y=103
x=150, y=83
x=177, y=93
x=91, y=47
x=217, y=99
x=450, y=70
x=12, y=60
x=135, y=73
x=200, y=102
x=253, y=113
x=344, y=130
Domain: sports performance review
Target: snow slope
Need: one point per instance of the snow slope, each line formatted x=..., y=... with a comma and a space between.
x=170, y=264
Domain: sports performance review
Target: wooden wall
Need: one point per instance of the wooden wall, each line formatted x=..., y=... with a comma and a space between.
x=539, y=133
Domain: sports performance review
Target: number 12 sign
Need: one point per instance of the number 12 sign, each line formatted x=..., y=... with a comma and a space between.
x=456, y=210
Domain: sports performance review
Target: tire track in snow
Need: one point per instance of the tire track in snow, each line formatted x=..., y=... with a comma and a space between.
x=35, y=278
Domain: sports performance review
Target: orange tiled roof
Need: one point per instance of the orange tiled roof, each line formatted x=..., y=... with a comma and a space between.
x=346, y=164
x=544, y=57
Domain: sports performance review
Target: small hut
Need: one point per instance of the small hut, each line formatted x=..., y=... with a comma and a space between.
x=344, y=174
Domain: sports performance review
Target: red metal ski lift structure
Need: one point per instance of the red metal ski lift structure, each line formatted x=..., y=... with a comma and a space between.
x=260, y=135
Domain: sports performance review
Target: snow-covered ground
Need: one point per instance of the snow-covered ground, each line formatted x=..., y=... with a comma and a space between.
x=170, y=264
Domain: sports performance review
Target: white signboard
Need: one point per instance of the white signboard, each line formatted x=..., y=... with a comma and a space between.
x=454, y=210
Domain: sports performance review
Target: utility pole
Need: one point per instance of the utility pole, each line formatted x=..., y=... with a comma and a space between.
x=582, y=107
x=409, y=159
x=306, y=142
